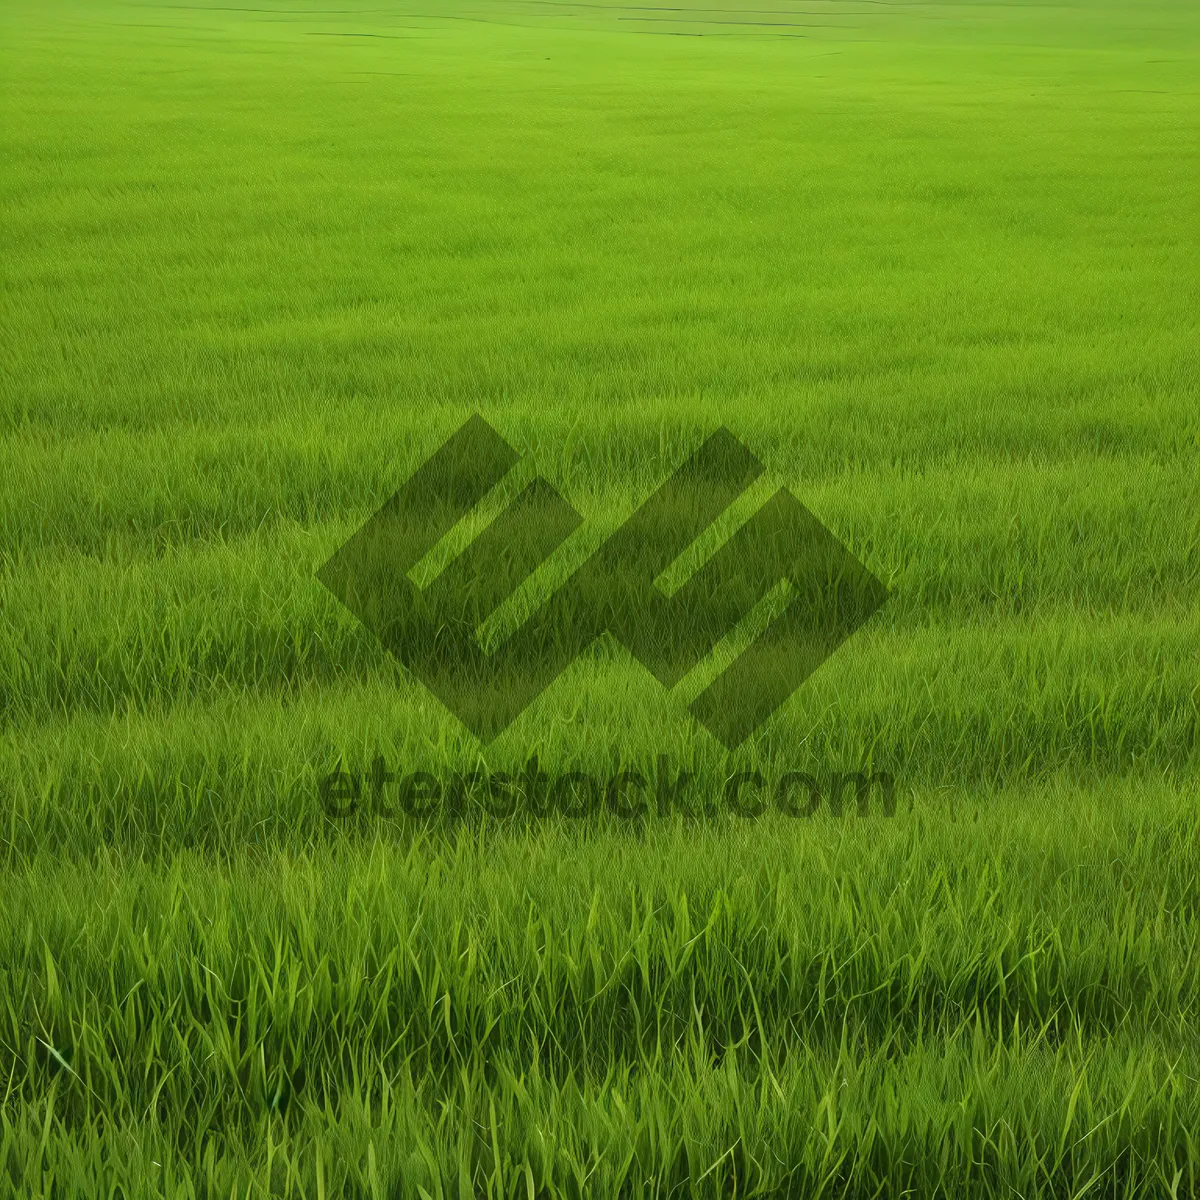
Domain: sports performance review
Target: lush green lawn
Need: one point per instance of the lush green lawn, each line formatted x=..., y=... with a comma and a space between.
x=935, y=264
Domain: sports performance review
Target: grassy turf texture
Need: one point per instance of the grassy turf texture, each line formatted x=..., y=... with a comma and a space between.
x=935, y=264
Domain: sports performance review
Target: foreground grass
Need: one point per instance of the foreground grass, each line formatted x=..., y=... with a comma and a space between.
x=964, y=998
x=930, y=263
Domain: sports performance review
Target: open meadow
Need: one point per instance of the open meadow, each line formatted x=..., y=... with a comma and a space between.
x=934, y=264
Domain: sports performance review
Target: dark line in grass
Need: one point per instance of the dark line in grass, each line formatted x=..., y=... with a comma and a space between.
x=295, y=12
x=172, y=28
x=773, y=12
x=475, y=20
x=395, y=37
x=772, y=24
x=666, y=8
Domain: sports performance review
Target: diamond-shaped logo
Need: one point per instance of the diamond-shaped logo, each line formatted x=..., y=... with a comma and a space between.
x=433, y=630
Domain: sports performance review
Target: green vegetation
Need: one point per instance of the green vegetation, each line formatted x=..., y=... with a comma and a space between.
x=934, y=264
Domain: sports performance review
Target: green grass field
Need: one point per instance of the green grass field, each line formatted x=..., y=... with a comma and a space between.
x=935, y=264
